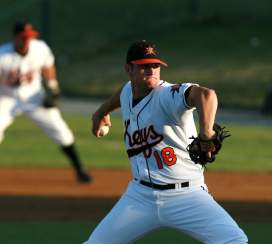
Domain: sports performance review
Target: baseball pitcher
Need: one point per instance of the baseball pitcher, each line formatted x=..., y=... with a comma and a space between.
x=167, y=157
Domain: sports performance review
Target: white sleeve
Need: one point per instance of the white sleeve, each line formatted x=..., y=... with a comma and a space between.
x=173, y=101
x=125, y=93
x=42, y=52
x=4, y=49
x=49, y=58
x=0, y=70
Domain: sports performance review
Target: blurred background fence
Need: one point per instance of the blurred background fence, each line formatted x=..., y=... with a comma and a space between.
x=225, y=45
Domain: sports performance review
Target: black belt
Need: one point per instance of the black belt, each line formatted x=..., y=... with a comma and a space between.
x=163, y=187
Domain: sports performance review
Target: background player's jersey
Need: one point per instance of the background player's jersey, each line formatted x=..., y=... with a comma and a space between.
x=157, y=132
x=20, y=76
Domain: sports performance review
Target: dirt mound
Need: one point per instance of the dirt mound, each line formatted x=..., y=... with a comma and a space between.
x=53, y=194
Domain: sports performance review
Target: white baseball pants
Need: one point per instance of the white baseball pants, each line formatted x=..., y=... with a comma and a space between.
x=50, y=120
x=191, y=210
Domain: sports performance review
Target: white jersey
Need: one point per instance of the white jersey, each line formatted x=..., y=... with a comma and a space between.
x=20, y=76
x=21, y=91
x=157, y=132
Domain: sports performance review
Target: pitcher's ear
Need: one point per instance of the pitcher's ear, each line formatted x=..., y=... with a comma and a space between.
x=128, y=68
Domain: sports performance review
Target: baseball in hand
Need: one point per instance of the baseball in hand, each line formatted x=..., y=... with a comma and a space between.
x=104, y=130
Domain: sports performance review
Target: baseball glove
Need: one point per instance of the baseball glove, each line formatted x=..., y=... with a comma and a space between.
x=198, y=148
x=50, y=100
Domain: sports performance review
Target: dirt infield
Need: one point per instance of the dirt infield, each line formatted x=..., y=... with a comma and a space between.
x=53, y=194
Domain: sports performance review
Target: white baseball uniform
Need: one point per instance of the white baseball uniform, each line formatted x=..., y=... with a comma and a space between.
x=21, y=91
x=168, y=189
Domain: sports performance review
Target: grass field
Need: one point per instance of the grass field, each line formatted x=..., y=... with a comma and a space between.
x=248, y=149
x=225, y=46
x=77, y=232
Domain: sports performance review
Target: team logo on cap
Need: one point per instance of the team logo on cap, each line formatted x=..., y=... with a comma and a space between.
x=150, y=51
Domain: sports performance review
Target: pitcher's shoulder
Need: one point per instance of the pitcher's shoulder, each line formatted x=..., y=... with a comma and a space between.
x=38, y=43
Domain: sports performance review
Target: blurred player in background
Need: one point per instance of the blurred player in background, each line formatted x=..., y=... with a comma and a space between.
x=28, y=85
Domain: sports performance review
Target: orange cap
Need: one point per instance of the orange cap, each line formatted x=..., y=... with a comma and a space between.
x=25, y=30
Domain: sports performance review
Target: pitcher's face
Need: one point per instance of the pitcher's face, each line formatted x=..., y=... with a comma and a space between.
x=144, y=75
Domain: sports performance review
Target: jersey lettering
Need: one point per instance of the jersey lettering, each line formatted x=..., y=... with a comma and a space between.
x=15, y=78
x=168, y=157
x=144, y=138
x=158, y=159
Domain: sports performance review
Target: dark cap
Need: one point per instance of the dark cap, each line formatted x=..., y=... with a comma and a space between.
x=25, y=30
x=143, y=52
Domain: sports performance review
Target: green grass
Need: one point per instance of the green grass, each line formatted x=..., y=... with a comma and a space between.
x=225, y=46
x=220, y=58
x=77, y=232
x=26, y=145
x=248, y=149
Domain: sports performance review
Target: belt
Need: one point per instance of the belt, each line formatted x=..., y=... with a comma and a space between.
x=164, y=187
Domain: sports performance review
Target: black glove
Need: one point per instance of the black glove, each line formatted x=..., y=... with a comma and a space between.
x=198, y=148
x=52, y=95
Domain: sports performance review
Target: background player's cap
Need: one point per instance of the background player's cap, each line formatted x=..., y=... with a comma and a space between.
x=143, y=52
x=24, y=30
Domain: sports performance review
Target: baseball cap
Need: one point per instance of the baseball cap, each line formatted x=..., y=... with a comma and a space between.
x=143, y=52
x=25, y=30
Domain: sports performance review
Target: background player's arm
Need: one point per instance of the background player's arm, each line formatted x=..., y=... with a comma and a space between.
x=50, y=78
x=51, y=86
x=205, y=101
x=101, y=117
